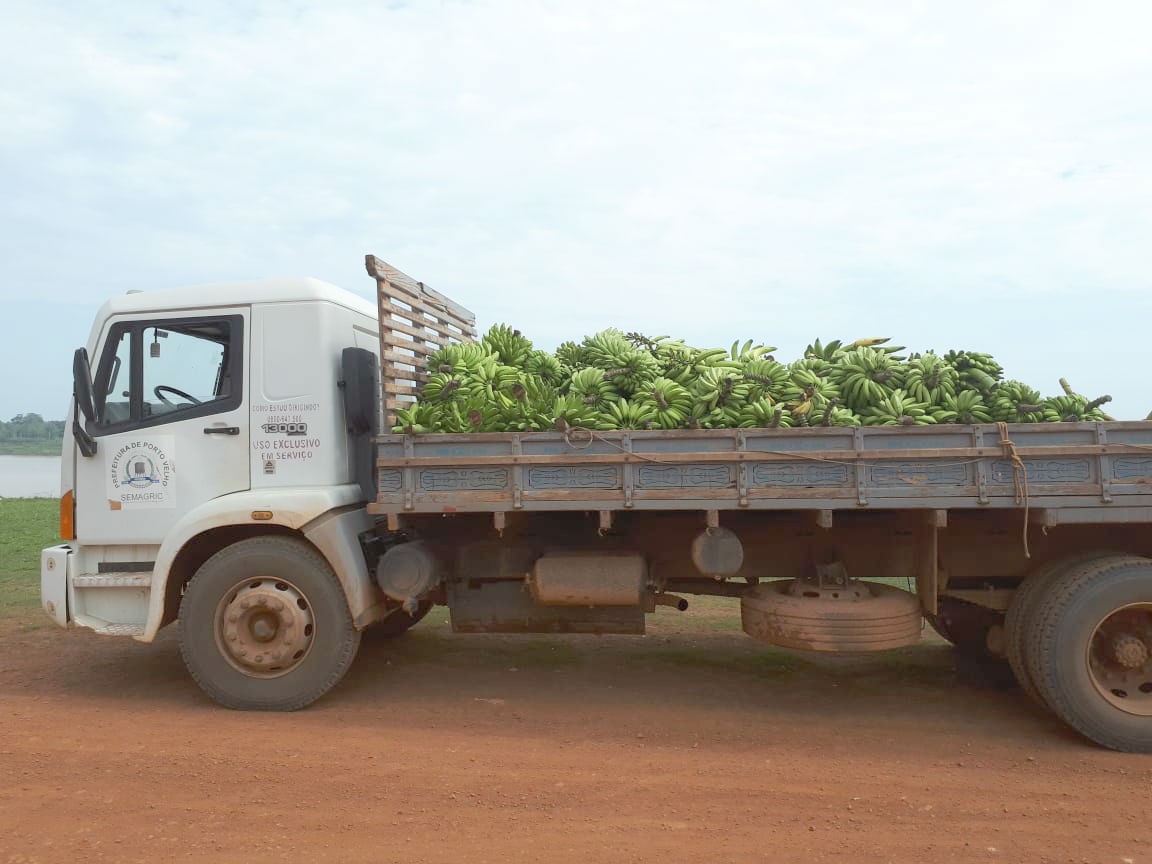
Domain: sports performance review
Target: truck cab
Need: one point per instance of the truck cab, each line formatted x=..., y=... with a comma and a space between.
x=215, y=414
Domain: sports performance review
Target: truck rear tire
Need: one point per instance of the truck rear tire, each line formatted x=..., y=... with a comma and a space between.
x=1021, y=613
x=1089, y=651
x=264, y=625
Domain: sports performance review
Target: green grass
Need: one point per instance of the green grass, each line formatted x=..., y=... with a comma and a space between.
x=27, y=525
x=30, y=448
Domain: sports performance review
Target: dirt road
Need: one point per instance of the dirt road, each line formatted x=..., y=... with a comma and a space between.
x=678, y=746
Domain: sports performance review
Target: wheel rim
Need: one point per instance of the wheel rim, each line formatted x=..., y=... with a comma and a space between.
x=264, y=627
x=1120, y=659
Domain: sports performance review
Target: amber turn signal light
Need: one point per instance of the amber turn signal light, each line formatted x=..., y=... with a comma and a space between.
x=67, y=516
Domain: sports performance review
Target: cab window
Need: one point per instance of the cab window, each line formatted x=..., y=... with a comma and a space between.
x=154, y=372
x=184, y=366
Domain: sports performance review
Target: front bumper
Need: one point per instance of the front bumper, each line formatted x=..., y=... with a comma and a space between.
x=55, y=566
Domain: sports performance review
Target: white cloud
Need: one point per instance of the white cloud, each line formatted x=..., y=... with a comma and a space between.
x=953, y=175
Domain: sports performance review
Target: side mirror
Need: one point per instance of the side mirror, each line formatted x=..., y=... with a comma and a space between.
x=82, y=384
x=85, y=404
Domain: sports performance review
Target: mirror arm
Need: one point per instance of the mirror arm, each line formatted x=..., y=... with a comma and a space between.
x=84, y=441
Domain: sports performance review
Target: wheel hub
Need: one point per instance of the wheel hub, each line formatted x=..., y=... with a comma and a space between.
x=1129, y=650
x=1119, y=659
x=264, y=627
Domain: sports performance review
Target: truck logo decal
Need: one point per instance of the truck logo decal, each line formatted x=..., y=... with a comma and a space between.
x=141, y=474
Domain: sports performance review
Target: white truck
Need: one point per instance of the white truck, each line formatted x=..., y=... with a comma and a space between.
x=224, y=468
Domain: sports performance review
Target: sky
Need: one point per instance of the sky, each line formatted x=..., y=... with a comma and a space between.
x=973, y=175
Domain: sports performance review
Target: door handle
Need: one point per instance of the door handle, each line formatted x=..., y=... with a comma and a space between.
x=221, y=430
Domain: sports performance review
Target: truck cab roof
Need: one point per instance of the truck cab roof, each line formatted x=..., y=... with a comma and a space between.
x=236, y=294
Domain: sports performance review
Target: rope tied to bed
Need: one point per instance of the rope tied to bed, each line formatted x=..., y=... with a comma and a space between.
x=1019, y=478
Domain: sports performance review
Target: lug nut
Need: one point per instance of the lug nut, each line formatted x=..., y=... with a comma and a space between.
x=245, y=603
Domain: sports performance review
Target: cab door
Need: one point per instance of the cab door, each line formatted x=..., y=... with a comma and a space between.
x=171, y=424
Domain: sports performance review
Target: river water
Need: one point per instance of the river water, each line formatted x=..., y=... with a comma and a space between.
x=29, y=476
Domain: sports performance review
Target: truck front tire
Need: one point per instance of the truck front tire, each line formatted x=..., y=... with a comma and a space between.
x=264, y=625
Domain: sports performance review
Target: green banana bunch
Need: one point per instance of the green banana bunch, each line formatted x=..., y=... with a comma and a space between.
x=805, y=385
x=623, y=414
x=418, y=419
x=1016, y=402
x=572, y=411
x=687, y=369
x=717, y=387
x=546, y=367
x=839, y=415
x=618, y=380
x=670, y=401
x=815, y=365
x=866, y=376
x=743, y=353
x=720, y=417
x=977, y=371
x=444, y=387
x=1073, y=408
x=627, y=367
x=1067, y=388
x=591, y=388
x=453, y=357
x=675, y=358
x=897, y=408
x=927, y=378
x=490, y=377
x=507, y=344
x=968, y=406
x=573, y=355
x=829, y=353
x=765, y=377
x=524, y=415
x=763, y=413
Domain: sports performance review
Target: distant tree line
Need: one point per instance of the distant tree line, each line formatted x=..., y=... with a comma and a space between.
x=31, y=427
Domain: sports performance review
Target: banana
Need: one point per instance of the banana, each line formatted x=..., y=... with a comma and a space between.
x=671, y=402
x=507, y=344
x=928, y=378
x=1016, y=402
x=968, y=406
x=898, y=409
x=622, y=414
x=764, y=414
x=455, y=356
x=590, y=387
x=615, y=380
x=627, y=367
